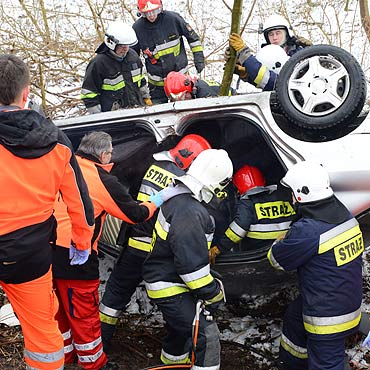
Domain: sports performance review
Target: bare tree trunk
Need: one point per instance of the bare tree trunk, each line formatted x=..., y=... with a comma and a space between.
x=365, y=18
x=230, y=65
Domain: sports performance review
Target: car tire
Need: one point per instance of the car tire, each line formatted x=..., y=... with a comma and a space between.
x=321, y=87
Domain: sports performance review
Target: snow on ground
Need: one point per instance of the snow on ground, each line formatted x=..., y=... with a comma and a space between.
x=255, y=322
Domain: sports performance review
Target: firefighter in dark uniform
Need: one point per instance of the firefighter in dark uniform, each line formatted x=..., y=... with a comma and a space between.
x=263, y=213
x=325, y=247
x=177, y=271
x=160, y=35
x=114, y=78
x=181, y=86
x=127, y=273
x=262, y=70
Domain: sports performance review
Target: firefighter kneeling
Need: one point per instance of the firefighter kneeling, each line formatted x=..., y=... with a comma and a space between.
x=177, y=271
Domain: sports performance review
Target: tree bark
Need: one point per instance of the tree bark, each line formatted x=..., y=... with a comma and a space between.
x=230, y=65
x=365, y=17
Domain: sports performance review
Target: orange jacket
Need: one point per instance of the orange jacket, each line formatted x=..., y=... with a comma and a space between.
x=108, y=196
x=38, y=162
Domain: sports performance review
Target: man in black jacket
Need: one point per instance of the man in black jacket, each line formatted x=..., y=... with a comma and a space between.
x=160, y=40
x=114, y=78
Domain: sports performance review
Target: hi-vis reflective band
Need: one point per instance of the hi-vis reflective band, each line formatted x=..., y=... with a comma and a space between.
x=109, y=311
x=158, y=176
x=259, y=231
x=273, y=210
x=113, y=85
x=272, y=260
x=87, y=94
x=346, y=240
x=198, y=279
x=168, y=359
x=172, y=47
x=196, y=46
x=293, y=349
x=91, y=358
x=333, y=324
x=268, y=231
x=262, y=77
x=140, y=242
x=46, y=358
x=137, y=76
x=162, y=228
x=162, y=289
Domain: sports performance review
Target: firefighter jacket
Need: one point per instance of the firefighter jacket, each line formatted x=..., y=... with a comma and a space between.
x=259, y=75
x=108, y=196
x=38, y=162
x=328, y=259
x=158, y=176
x=162, y=45
x=263, y=214
x=179, y=260
x=113, y=83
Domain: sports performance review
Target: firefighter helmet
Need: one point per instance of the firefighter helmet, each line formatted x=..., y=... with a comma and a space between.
x=213, y=169
x=177, y=84
x=273, y=57
x=309, y=182
x=188, y=149
x=248, y=177
x=276, y=22
x=146, y=6
x=119, y=33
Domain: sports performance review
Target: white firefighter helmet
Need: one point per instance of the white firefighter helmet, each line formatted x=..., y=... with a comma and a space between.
x=273, y=57
x=209, y=174
x=276, y=22
x=309, y=182
x=119, y=33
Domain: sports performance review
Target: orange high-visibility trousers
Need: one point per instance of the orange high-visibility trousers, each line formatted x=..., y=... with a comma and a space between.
x=35, y=305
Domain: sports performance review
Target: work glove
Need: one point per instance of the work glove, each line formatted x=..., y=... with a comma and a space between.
x=240, y=71
x=156, y=199
x=213, y=253
x=236, y=42
x=302, y=41
x=148, y=101
x=94, y=109
x=78, y=257
x=366, y=342
x=199, y=66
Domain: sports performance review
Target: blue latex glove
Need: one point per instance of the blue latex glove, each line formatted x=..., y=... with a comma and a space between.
x=156, y=199
x=366, y=342
x=78, y=257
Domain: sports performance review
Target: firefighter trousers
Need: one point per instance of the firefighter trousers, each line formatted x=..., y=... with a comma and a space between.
x=122, y=283
x=178, y=312
x=300, y=350
x=78, y=319
x=35, y=304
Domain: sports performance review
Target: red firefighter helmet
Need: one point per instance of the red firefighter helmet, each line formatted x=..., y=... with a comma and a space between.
x=248, y=177
x=188, y=149
x=177, y=84
x=149, y=5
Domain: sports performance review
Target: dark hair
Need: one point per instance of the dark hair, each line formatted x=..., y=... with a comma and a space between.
x=14, y=77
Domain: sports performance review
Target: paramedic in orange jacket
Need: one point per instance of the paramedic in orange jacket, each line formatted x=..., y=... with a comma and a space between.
x=77, y=286
x=38, y=162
